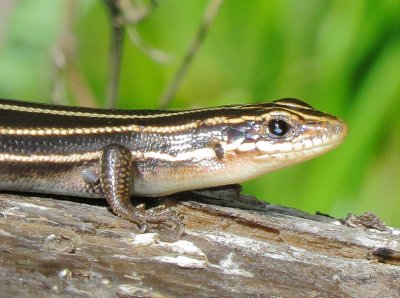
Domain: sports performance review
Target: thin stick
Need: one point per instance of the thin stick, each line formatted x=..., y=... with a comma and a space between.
x=116, y=43
x=133, y=16
x=209, y=16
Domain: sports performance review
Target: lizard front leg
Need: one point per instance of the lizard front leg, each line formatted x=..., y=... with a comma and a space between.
x=117, y=166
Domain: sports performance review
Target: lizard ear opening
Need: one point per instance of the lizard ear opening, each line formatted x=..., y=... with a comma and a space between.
x=219, y=151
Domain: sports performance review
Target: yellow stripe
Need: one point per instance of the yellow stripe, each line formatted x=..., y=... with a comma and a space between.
x=198, y=154
x=53, y=158
x=156, y=114
x=51, y=131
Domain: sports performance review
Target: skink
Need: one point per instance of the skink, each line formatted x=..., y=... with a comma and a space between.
x=114, y=154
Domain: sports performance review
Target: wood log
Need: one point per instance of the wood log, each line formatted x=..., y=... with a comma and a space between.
x=233, y=246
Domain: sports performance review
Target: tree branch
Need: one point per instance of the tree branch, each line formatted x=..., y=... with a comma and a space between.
x=78, y=247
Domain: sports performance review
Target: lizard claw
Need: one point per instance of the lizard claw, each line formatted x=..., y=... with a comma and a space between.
x=143, y=227
x=141, y=207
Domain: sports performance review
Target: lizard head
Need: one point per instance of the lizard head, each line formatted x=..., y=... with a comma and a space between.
x=278, y=134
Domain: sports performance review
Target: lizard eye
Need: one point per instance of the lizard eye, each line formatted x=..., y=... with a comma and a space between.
x=278, y=127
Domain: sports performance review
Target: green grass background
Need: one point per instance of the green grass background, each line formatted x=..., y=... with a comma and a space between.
x=343, y=57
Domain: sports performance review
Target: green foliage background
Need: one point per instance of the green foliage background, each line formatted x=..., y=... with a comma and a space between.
x=342, y=57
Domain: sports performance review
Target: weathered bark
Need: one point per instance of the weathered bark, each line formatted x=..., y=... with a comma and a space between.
x=58, y=247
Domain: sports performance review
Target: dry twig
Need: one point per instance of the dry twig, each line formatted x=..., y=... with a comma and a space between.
x=116, y=43
x=176, y=81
